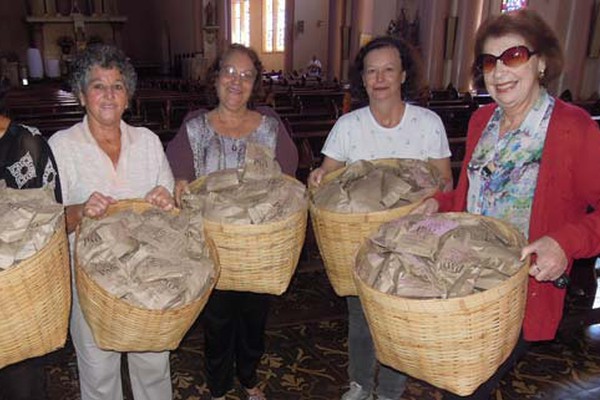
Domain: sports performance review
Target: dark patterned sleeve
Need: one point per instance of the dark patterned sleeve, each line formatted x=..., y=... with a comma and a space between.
x=179, y=151
x=41, y=156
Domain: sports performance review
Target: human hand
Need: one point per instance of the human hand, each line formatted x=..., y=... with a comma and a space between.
x=428, y=206
x=316, y=176
x=551, y=261
x=161, y=198
x=181, y=188
x=97, y=204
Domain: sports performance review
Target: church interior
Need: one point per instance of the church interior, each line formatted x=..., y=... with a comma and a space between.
x=172, y=44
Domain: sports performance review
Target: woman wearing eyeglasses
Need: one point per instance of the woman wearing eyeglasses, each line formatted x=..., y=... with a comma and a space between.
x=531, y=160
x=234, y=322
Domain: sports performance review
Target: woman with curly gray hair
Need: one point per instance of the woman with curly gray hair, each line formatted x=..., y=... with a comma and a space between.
x=101, y=160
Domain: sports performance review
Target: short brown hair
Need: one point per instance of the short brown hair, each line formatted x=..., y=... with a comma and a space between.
x=215, y=68
x=533, y=29
x=413, y=86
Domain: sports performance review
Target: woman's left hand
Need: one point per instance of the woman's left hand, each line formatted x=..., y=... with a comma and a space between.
x=160, y=197
x=551, y=261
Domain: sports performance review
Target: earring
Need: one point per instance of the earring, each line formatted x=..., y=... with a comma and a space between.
x=541, y=74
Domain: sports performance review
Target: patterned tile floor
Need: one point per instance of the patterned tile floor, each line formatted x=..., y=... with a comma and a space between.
x=306, y=357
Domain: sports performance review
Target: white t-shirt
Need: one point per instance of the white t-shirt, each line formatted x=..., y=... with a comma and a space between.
x=357, y=136
x=83, y=167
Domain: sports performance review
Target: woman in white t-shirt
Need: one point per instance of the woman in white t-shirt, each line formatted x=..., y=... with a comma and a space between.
x=385, y=71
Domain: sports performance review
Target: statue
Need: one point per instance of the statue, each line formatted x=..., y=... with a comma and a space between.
x=75, y=7
x=209, y=12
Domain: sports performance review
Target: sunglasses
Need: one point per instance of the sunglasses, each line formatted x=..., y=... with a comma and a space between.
x=231, y=72
x=512, y=57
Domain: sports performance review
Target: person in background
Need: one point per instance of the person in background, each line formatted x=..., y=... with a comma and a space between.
x=385, y=70
x=26, y=162
x=314, y=67
x=101, y=160
x=531, y=160
x=210, y=141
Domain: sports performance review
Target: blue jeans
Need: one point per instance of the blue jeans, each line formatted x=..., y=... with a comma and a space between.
x=362, y=366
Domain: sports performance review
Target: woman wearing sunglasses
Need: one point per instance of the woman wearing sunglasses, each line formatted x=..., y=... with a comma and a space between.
x=531, y=160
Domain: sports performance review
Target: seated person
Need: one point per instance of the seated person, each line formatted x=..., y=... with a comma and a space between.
x=314, y=67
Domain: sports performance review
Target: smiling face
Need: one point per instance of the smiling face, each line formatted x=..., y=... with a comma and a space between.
x=515, y=89
x=383, y=74
x=235, y=81
x=105, y=96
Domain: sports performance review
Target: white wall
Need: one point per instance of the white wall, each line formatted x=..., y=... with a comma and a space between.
x=314, y=39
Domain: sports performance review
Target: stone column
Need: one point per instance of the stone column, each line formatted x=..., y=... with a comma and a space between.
x=469, y=19
x=288, y=58
x=362, y=23
x=575, y=16
x=336, y=24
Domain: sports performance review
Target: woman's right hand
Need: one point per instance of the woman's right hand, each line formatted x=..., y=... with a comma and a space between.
x=427, y=207
x=316, y=176
x=181, y=188
x=96, y=205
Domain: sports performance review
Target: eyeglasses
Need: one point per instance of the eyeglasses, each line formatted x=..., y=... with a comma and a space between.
x=512, y=57
x=230, y=72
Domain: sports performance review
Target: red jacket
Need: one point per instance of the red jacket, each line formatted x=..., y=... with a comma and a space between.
x=568, y=182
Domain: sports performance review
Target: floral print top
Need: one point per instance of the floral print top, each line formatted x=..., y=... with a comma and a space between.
x=503, y=171
x=213, y=152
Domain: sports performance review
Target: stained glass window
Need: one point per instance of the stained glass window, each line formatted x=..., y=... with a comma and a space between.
x=512, y=5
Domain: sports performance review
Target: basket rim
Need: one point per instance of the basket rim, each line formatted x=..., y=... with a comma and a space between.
x=452, y=300
x=198, y=181
x=373, y=214
x=333, y=174
x=517, y=276
x=79, y=269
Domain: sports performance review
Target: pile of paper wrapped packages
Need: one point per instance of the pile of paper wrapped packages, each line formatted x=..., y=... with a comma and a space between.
x=439, y=256
x=258, y=193
x=28, y=219
x=365, y=187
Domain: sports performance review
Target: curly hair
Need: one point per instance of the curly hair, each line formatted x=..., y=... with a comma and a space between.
x=531, y=27
x=103, y=56
x=215, y=68
x=413, y=86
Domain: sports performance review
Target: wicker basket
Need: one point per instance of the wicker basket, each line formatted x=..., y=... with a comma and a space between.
x=35, y=302
x=257, y=258
x=455, y=344
x=120, y=326
x=339, y=235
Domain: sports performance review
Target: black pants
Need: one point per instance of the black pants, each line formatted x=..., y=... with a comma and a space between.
x=234, y=332
x=485, y=391
x=23, y=381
